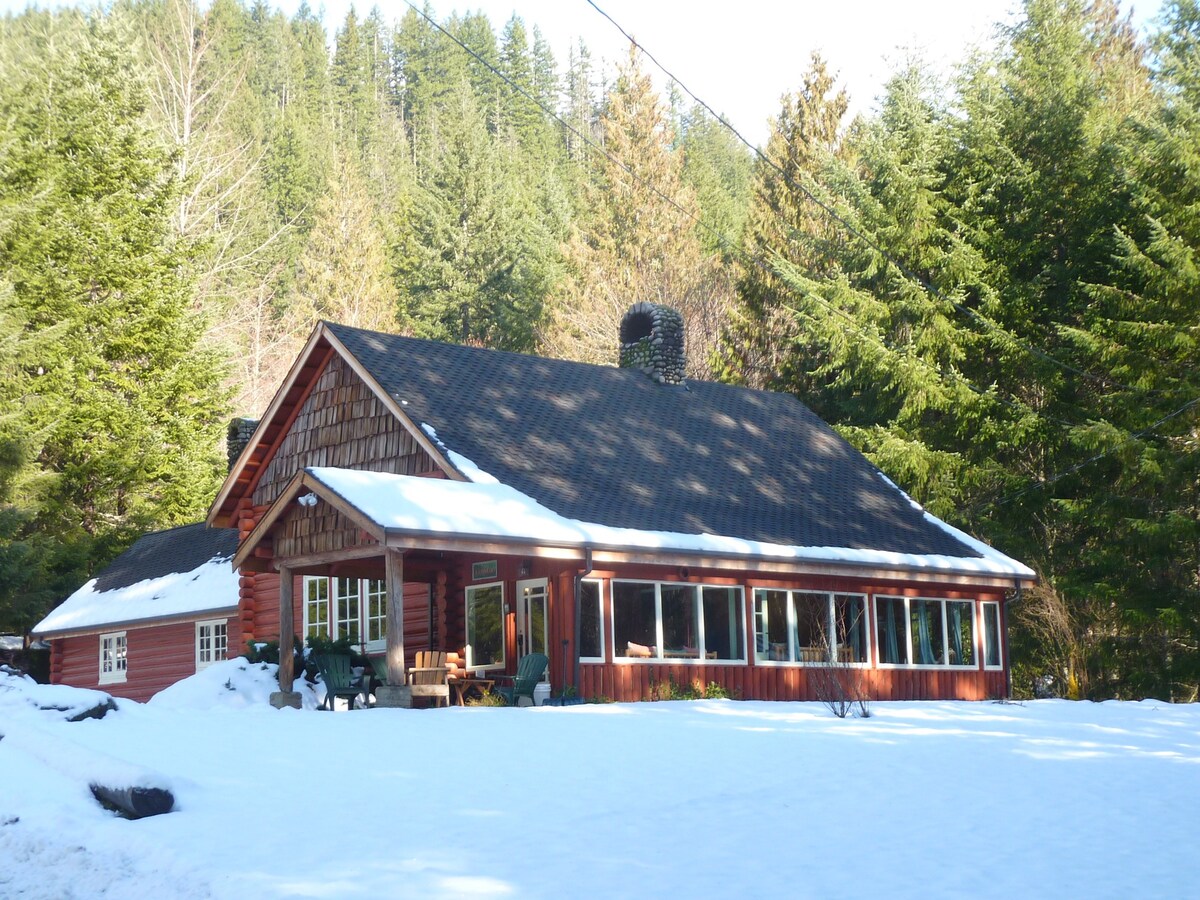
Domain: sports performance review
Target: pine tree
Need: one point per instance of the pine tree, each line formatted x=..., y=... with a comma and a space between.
x=636, y=240
x=88, y=245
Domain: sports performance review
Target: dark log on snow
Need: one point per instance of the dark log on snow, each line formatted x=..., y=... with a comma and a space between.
x=135, y=802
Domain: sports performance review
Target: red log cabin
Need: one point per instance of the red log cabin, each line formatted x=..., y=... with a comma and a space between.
x=633, y=525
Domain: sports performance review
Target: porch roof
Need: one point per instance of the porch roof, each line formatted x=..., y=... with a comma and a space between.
x=411, y=511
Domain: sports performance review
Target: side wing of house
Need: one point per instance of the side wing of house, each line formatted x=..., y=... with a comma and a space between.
x=162, y=611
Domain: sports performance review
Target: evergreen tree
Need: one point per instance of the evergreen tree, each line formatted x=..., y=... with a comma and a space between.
x=87, y=242
x=636, y=240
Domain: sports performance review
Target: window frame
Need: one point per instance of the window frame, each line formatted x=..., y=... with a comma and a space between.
x=600, y=583
x=330, y=599
x=119, y=672
x=983, y=633
x=468, y=648
x=792, y=627
x=942, y=602
x=698, y=601
x=201, y=663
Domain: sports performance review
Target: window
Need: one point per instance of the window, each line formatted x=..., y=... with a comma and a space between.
x=114, y=662
x=927, y=632
x=212, y=643
x=316, y=607
x=591, y=622
x=485, y=626
x=346, y=607
x=810, y=627
x=677, y=622
x=991, y=636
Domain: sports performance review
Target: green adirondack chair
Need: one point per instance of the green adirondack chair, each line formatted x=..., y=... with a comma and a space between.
x=338, y=678
x=529, y=672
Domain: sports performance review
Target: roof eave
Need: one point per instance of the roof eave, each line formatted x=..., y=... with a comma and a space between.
x=102, y=627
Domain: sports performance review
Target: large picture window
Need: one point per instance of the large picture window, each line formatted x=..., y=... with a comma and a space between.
x=656, y=620
x=591, y=622
x=114, y=660
x=810, y=627
x=485, y=626
x=920, y=631
x=354, y=608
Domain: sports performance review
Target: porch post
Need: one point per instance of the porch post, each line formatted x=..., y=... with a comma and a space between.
x=396, y=693
x=394, y=561
x=285, y=696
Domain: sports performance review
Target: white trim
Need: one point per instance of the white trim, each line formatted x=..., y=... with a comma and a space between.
x=976, y=663
x=305, y=601
x=119, y=672
x=467, y=648
x=599, y=582
x=701, y=646
x=216, y=654
x=983, y=632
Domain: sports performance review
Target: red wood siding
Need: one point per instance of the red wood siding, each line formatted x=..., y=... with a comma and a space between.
x=158, y=656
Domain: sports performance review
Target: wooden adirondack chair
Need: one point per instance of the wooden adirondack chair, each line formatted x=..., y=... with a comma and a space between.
x=529, y=672
x=379, y=668
x=428, y=678
x=338, y=678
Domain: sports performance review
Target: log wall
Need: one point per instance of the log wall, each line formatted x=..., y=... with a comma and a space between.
x=342, y=423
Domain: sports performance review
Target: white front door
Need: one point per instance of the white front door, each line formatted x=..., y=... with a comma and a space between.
x=532, y=634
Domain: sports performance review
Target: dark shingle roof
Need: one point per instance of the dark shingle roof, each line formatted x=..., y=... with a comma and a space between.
x=609, y=445
x=161, y=553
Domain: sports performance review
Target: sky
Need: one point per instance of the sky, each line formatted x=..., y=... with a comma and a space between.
x=742, y=57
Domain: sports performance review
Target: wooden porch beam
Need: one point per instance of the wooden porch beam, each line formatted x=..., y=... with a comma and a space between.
x=394, y=563
x=286, y=670
x=314, y=560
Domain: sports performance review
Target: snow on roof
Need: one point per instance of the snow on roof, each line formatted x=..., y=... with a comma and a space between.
x=487, y=509
x=211, y=586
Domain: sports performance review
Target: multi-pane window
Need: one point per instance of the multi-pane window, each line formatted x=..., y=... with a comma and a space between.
x=316, y=607
x=810, y=627
x=676, y=622
x=485, y=626
x=991, y=635
x=923, y=632
x=376, y=612
x=346, y=607
x=212, y=643
x=591, y=622
x=113, y=657
x=347, y=602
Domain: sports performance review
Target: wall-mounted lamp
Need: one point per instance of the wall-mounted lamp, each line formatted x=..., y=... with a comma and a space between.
x=309, y=499
x=524, y=568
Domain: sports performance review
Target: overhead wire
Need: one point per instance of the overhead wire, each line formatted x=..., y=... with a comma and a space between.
x=758, y=261
x=864, y=238
x=853, y=326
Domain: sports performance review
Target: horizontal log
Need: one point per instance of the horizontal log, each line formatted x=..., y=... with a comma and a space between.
x=135, y=802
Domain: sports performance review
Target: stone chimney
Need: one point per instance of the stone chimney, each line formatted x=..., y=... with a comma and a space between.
x=237, y=437
x=652, y=341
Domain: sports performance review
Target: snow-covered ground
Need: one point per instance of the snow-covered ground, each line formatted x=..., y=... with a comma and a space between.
x=702, y=799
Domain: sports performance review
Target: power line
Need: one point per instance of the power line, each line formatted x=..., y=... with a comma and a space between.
x=755, y=259
x=758, y=261
x=872, y=244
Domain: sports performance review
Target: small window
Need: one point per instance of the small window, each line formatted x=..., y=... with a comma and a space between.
x=485, y=626
x=316, y=607
x=376, y=620
x=891, y=631
x=114, y=663
x=960, y=632
x=591, y=622
x=346, y=602
x=212, y=643
x=635, y=620
x=991, y=636
x=723, y=628
x=771, y=626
